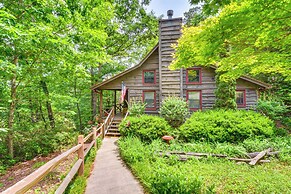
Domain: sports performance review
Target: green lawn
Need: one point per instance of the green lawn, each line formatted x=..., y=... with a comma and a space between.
x=208, y=175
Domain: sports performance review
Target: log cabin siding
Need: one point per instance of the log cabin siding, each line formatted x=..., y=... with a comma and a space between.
x=251, y=90
x=134, y=83
x=207, y=86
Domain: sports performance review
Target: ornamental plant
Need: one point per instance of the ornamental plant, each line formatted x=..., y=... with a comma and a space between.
x=174, y=110
x=136, y=108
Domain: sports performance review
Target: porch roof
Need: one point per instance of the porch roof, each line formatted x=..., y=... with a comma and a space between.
x=96, y=86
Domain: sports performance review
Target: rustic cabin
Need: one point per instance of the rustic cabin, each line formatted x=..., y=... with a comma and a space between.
x=152, y=81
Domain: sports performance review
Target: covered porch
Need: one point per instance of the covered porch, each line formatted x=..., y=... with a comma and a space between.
x=111, y=99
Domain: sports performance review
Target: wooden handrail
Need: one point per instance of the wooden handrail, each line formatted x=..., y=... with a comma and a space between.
x=127, y=113
x=35, y=177
x=32, y=179
x=69, y=177
x=108, y=121
x=88, y=136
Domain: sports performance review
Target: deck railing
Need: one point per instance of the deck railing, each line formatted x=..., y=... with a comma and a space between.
x=82, y=150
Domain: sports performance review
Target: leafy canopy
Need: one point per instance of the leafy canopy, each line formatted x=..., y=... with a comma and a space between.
x=246, y=37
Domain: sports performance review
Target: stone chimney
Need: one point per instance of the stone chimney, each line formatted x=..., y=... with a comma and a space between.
x=169, y=33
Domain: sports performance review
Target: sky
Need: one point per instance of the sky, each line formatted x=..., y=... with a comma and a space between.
x=162, y=6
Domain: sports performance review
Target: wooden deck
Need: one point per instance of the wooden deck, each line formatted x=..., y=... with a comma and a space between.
x=110, y=175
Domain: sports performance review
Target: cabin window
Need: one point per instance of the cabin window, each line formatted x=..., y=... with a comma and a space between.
x=149, y=97
x=149, y=77
x=240, y=98
x=194, y=100
x=193, y=76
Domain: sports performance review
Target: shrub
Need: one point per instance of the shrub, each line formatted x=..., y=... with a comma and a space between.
x=274, y=110
x=145, y=127
x=136, y=108
x=174, y=110
x=225, y=126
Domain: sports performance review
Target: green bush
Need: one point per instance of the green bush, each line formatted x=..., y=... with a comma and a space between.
x=225, y=126
x=174, y=110
x=276, y=111
x=145, y=127
x=136, y=108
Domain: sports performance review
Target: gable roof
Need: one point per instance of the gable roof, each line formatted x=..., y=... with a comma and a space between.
x=126, y=71
x=244, y=77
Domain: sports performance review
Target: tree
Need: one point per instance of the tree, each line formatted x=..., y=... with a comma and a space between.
x=249, y=37
x=41, y=38
x=194, y=16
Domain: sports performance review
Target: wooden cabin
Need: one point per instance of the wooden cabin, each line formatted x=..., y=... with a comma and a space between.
x=152, y=81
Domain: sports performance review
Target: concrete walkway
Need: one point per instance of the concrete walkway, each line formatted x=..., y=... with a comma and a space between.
x=110, y=175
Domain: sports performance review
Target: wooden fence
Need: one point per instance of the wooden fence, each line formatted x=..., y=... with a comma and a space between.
x=82, y=150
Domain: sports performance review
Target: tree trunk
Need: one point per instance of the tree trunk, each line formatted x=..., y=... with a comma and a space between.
x=12, y=111
x=48, y=104
x=93, y=96
x=78, y=106
x=41, y=114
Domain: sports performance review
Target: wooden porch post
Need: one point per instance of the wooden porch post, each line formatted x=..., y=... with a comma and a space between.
x=115, y=101
x=101, y=103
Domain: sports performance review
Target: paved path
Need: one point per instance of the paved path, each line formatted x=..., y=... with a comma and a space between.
x=110, y=175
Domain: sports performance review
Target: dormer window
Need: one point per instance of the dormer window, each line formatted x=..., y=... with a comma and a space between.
x=149, y=77
x=193, y=76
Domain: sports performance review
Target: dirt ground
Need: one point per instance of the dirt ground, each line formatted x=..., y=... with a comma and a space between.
x=49, y=184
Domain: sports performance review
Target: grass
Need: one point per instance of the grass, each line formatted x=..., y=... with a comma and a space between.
x=78, y=185
x=38, y=164
x=209, y=175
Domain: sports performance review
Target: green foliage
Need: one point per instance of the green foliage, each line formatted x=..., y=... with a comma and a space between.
x=244, y=37
x=276, y=111
x=136, y=108
x=194, y=16
x=225, y=126
x=282, y=144
x=174, y=110
x=145, y=127
x=225, y=93
x=154, y=172
x=38, y=164
x=208, y=175
x=67, y=46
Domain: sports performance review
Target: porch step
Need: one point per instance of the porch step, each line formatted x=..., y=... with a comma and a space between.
x=110, y=134
x=113, y=130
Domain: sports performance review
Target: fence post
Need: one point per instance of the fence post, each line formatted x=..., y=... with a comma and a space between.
x=94, y=136
x=103, y=130
x=81, y=154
